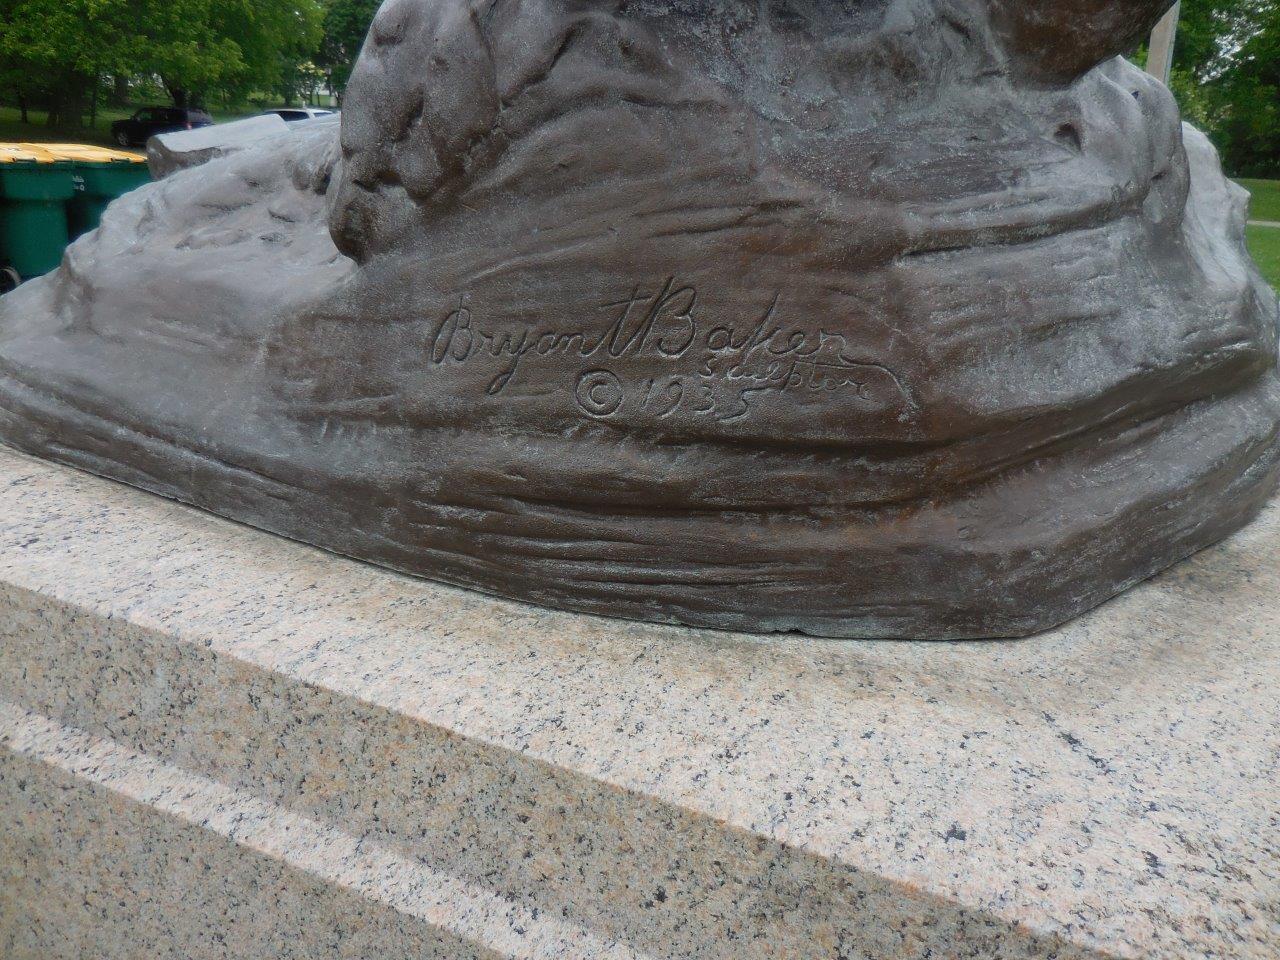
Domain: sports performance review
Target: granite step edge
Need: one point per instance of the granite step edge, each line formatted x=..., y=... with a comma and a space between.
x=473, y=918
x=632, y=866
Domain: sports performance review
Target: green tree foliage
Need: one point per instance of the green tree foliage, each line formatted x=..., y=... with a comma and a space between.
x=51, y=51
x=345, y=26
x=57, y=51
x=1248, y=121
x=1227, y=78
x=225, y=47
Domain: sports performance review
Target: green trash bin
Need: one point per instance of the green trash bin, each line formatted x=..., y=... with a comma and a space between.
x=53, y=193
x=34, y=193
x=101, y=182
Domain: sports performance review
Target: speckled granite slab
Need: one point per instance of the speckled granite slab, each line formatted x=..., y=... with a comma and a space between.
x=215, y=743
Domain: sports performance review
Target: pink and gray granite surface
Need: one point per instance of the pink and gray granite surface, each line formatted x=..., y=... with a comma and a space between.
x=216, y=743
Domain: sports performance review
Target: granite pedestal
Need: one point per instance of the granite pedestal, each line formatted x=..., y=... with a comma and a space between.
x=216, y=743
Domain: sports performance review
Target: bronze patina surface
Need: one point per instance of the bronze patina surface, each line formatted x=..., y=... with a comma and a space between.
x=902, y=318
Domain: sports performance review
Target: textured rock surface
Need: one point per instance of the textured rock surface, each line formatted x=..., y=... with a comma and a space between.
x=918, y=318
x=216, y=743
x=171, y=152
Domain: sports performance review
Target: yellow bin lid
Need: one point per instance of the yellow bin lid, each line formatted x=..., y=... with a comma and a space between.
x=87, y=153
x=23, y=153
x=55, y=152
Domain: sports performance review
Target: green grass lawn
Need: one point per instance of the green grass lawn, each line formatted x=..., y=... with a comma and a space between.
x=13, y=130
x=1266, y=199
x=1264, y=242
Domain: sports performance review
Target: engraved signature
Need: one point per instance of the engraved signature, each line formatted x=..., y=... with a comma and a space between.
x=721, y=368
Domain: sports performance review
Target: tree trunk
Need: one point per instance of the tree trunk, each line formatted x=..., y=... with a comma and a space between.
x=54, y=117
x=22, y=106
x=67, y=103
x=180, y=95
x=120, y=95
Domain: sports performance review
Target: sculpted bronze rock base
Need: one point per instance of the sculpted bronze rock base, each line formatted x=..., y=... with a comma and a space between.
x=894, y=318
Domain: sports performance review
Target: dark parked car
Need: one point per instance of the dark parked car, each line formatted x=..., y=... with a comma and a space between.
x=149, y=121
